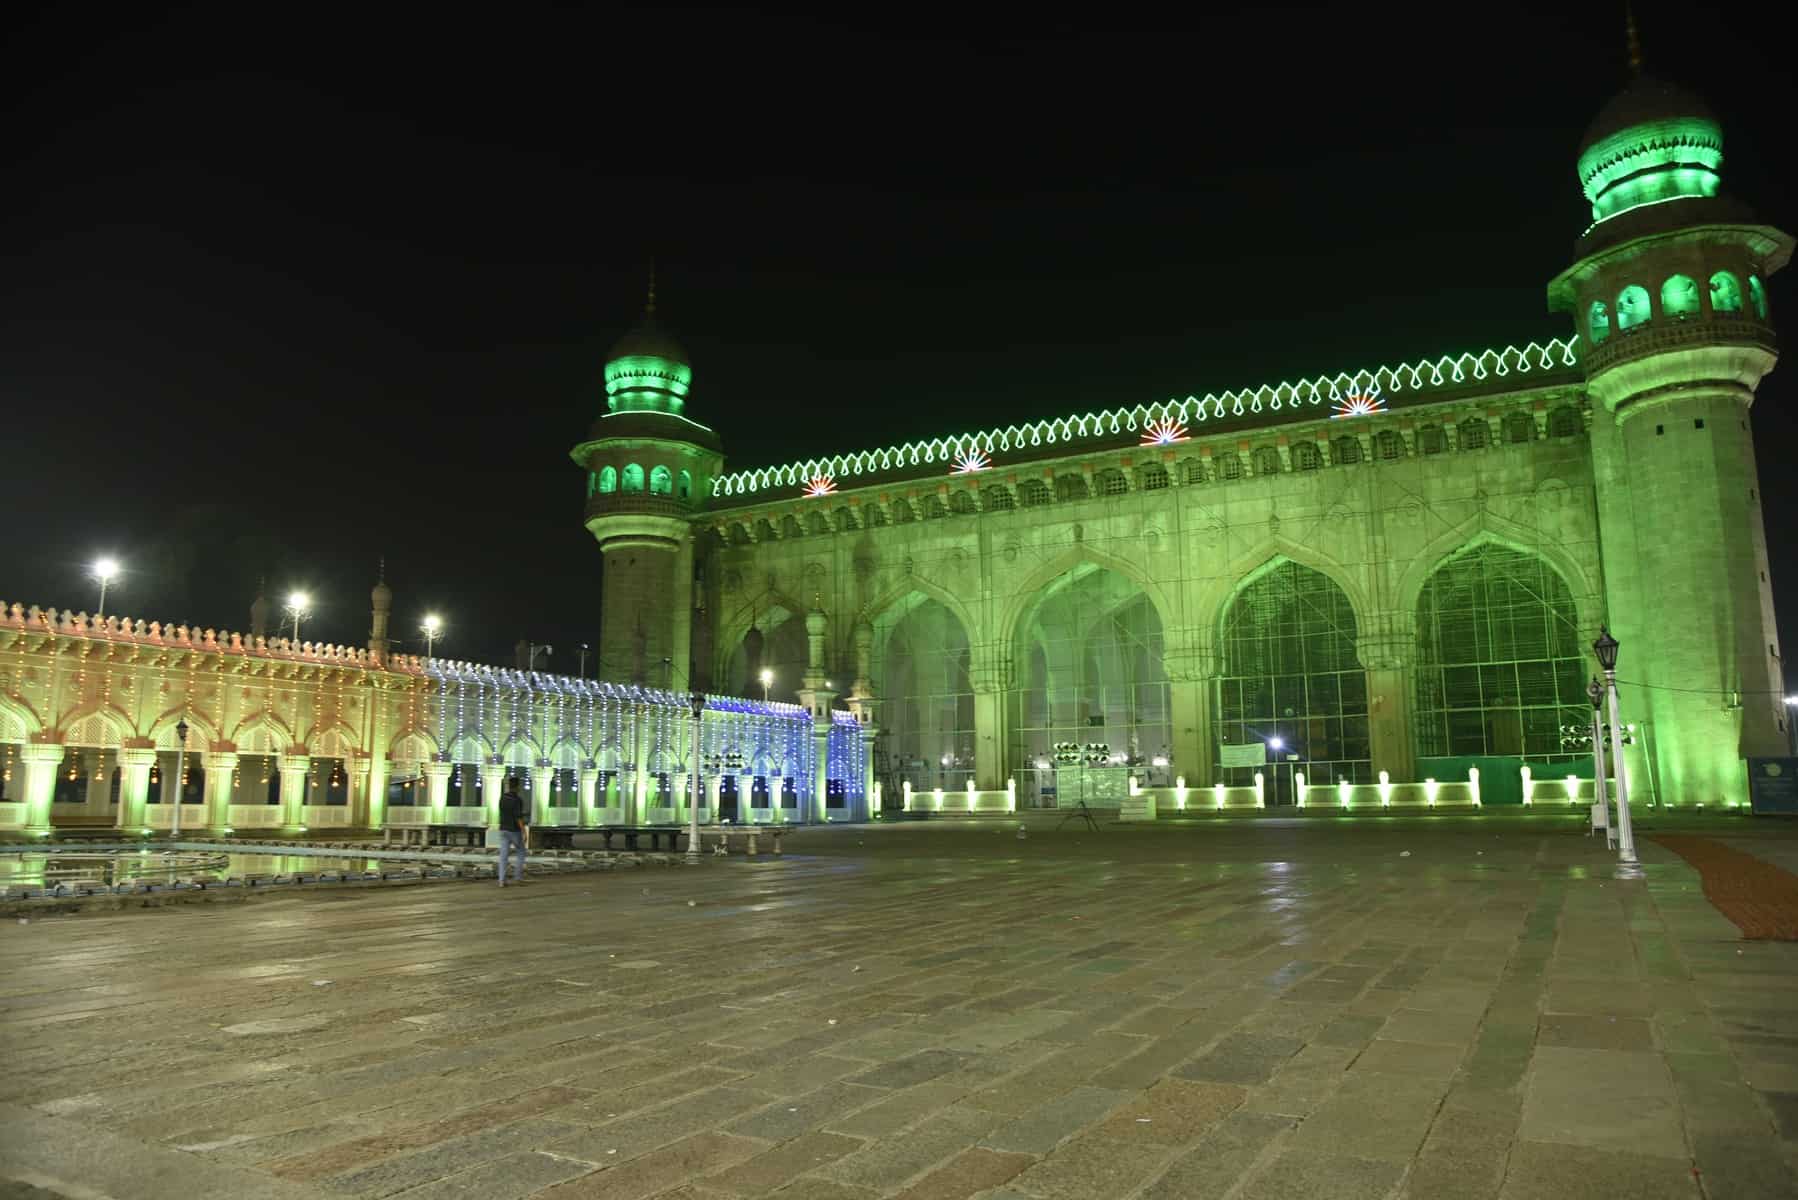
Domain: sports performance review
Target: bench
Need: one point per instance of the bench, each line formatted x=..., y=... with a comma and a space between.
x=435, y=835
x=630, y=834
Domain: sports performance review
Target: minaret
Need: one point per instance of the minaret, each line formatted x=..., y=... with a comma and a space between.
x=259, y=611
x=649, y=469
x=1669, y=300
x=381, y=600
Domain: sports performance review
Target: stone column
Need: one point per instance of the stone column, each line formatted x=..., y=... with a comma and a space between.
x=221, y=772
x=134, y=787
x=1194, y=752
x=40, y=760
x=589, y=785
x=821, y=778
x=1389, y=656
x=294, y=769
x=636, y=800
x=493, y=784
x=356, y=772
x=542, y=775
x=990, y=675
x=374, y=810
x=437, y=777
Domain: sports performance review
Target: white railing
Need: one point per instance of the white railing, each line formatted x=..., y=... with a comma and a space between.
x=408, y=816
x=327, y=816
x=162, y=816
x=250, y=816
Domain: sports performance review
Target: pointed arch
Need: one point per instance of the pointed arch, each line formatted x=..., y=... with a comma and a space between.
x=18, y=720
x=334, y=739
x=275, y=737
x=471, y=747
x=901, y=591
x=97, y=724
x=1486, y=527
x=162, y=730
x=733, y=629
x=1026, y=597
x=567, y=754
x=411, y=746
x=1216, y=595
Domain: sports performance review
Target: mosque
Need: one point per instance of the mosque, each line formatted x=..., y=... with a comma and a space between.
x=1373, y=588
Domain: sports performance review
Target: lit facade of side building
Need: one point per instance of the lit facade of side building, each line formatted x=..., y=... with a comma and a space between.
x=1384, y=582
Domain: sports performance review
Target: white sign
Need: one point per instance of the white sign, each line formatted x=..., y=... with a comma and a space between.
x=1241, y=754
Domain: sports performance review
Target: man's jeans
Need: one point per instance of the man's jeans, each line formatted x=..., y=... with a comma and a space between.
x=510, y=840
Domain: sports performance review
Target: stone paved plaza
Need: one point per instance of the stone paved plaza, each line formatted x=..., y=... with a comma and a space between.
x=1243, y=1009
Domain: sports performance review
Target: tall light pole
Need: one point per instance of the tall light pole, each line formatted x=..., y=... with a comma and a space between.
x=1606, y=649
x=697, y=700
x=1596, y=691
x=1791, y=733
x=299, y=606
x=582, y=671
x=431, y=626
x=180, y=776
x=767, y=682
x=104, y=571
x=546, y=651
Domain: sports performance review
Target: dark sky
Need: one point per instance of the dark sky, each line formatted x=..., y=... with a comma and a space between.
x=285, y=290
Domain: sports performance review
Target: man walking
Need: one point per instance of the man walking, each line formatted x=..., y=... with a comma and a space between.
x=514, y=828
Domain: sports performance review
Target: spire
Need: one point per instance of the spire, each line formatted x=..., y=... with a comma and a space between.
x=649, y=308
x=380, y=600
x=1635, y=65
x=259, y=609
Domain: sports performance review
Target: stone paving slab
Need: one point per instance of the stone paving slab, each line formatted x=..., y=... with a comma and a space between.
x=1238, y=1010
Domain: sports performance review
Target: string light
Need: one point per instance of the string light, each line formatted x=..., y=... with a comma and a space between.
x=1359, y=404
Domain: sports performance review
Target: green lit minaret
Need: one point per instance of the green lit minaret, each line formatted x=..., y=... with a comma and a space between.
x=1670, y=301
x=649, y=468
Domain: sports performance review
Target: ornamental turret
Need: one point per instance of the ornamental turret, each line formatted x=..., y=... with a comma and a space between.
x=649, y=468
x=1669, y=298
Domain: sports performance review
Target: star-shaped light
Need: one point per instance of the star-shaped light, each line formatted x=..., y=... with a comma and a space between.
x=970, y=461
x=821, y=485
x=1359, y=405
x=1163, y=432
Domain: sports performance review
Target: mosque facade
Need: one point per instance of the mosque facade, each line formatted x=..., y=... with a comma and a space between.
x=1375, y=587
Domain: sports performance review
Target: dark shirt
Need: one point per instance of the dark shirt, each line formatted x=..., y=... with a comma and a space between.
x=511, y=812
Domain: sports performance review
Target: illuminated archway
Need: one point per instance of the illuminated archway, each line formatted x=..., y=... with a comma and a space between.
x=921, y=674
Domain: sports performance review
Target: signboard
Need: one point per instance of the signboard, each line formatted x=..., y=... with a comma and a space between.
x=1773, y=786
x=1241, y=754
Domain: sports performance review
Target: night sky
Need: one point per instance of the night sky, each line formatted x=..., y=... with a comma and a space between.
x=287, y=290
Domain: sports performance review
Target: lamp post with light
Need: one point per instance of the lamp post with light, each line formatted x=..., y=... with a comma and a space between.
x=431, y=626
x=1600, y=790
x=299, y=606
x=697, y=701
x=767, y=682
x=1606, y=650
x=104, y=571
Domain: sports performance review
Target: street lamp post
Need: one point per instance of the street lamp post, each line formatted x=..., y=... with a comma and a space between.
x=582, y=673
x=697, y=700
x=767, y=682
x=180, y=776
x=105, y=569
x=1600, y=791
x=299, y=605
x=1606, y=649
x=431, y=627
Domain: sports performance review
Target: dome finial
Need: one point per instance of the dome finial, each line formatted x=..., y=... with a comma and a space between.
x=649, y=309
x=1635, y=40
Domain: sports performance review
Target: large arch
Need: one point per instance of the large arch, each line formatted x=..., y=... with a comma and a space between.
x=1501, y=663
x=277, y=729
x=1089, y=659
x=1290, y=675
x=202, y=734
x=922, y=672
x=1216, y=594
x=18, y=721
x=98, y=725
x=771, y=607
x=1488, y=528
x=1028, y=594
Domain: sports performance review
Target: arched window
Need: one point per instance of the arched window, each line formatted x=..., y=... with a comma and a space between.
x=1267, y=460
x=961, y=502
x=789, y=527
x=1564, y=422
x=1387, y=444
x=1152, y=478
x=1726, y=293
x=1757, y=296
x=633, y=478
x=1228, y=465
x=1679, y=296
x=1192, y=471
x=873, y=516
x=683, y=487
x=902, y=513
x=1474, y=434
x=933, y=506
x=1070, y=487
x=1519, y=427
x=816, y=522
x=1598, y=322
x=71, y=779
x=1290, y=670
x=998, y=499
x=661, y=481
x=1111, y=482
x=764, y=530
x=845, y=518
x=1305, y=457
x=1632, y=308
x=1032, y=493
x=1346, y=451
x=739, y=534
x=1501, y=668
x=1430, y=440
x=608, y=480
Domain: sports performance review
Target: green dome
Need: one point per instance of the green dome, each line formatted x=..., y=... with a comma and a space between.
x=647, y=370
x=1653, y=142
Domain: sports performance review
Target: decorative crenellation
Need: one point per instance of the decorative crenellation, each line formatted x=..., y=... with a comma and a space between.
x=1277, y=400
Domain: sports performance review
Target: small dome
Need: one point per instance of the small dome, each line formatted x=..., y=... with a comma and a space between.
x=649, y=340
x=1653, y=142
x=382, y=595
x=647, y=370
